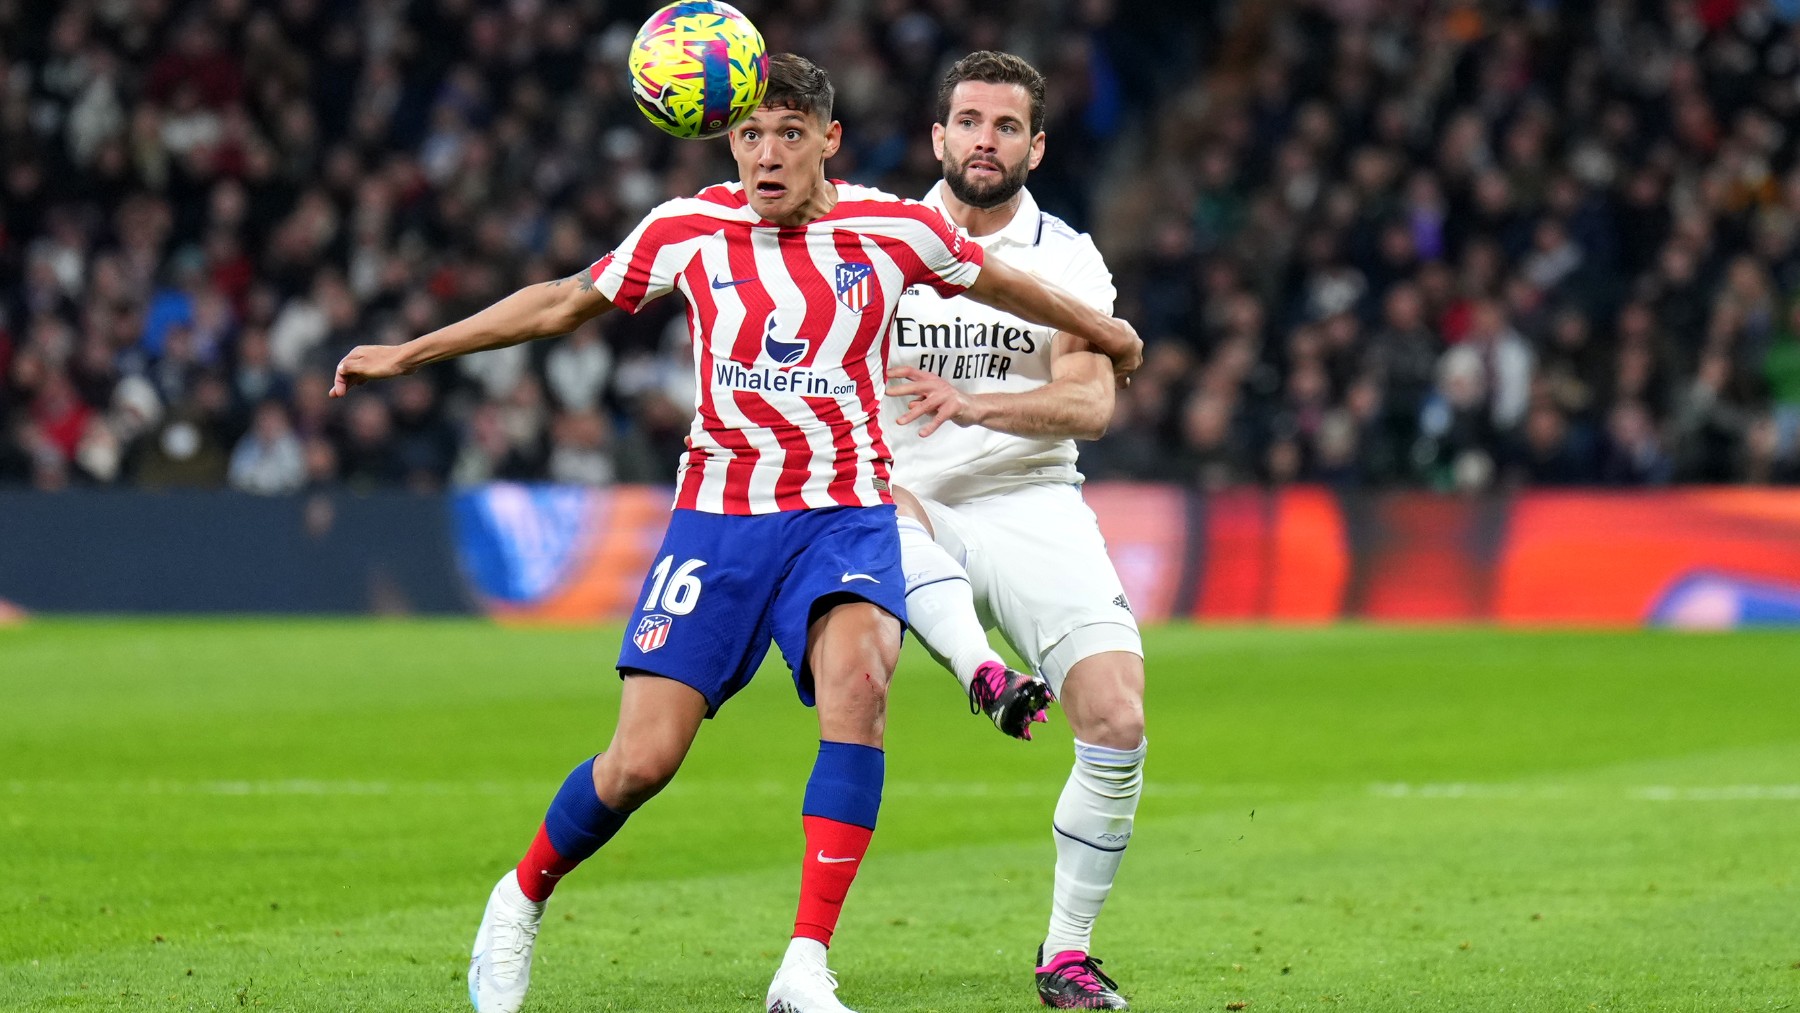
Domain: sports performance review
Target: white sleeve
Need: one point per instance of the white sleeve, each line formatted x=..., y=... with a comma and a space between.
x=1084, y=275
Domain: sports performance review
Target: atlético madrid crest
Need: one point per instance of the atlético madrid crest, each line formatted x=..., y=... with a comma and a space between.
x=853, y=281
x=652, y=632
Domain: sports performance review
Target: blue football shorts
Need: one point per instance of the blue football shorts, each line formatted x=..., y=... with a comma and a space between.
x=723, y=586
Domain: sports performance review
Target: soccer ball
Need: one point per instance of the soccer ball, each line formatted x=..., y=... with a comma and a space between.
x=698, y=68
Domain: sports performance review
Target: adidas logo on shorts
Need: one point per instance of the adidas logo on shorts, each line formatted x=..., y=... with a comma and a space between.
x=1122, y=603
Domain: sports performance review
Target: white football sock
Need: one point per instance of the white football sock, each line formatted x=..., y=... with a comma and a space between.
x=1092, y=827
x=802, y=949
x=940, y=604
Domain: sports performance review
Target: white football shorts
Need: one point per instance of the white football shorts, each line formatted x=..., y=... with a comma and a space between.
x=1041, y=575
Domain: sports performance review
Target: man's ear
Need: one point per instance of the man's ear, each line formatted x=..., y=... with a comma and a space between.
x=834, y=137
x=937, y=142
x=1037, y=150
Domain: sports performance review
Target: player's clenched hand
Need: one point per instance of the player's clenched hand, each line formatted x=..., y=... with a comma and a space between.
x=931, y=396
x=365, y=363
x=1127, y=354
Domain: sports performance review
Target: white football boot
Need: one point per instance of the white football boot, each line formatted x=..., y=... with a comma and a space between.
x=803, y=984
x=500, y=966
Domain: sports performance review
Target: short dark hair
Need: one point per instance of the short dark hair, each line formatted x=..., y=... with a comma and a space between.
x=801, y=85
x=990, y=67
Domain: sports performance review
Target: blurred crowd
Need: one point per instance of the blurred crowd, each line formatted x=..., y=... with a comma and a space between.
x=1471, y=246
x=1452, y=245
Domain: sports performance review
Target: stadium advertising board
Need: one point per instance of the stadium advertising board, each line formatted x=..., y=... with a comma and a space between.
x=1705, y=558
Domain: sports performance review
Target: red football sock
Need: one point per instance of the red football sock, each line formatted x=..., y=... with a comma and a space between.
x=542, y=868
x=833, y=852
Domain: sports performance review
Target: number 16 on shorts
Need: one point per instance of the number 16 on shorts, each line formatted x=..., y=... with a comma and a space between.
x=674, y=591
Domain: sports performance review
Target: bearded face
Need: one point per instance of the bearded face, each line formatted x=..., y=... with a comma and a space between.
x=982, y=180
x=985, y=143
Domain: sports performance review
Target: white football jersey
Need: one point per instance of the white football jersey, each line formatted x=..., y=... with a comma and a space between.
x=982, y=350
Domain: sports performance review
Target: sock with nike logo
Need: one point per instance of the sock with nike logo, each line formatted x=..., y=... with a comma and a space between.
x=842, y=798
x=577, y=824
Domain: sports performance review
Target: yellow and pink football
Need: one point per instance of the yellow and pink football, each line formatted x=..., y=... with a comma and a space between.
x=698, y=68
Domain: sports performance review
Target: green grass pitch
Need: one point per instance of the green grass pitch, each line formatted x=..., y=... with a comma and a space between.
x=202, y=815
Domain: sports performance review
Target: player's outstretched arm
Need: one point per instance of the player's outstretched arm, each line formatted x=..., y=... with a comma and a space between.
x=535, y=311
x=1007, y=288
x=1077, y=403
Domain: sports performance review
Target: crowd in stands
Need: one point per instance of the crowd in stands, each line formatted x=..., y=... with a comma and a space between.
x=1453, y=245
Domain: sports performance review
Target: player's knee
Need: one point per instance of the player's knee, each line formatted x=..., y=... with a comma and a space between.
x=853, y=652
x=1120, y=727
x=1113, y=718
x=1104, y=699
x=1128, y=728
x=872, y=684
x=862, y=683
x=853, y=704
x=856, y=645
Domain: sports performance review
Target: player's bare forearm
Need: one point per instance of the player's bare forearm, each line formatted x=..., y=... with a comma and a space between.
x=1077, y=404
x=1007, y=288
x=535, y=311
x=1048, y=413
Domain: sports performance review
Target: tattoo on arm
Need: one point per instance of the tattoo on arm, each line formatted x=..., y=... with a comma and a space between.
x=581, y=278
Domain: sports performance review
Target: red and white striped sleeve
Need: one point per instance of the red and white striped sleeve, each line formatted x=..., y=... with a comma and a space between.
x=950, y=262
x=646, y=265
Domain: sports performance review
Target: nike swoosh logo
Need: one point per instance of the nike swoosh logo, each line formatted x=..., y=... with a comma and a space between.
x=833, y=861
x=716, y=283
x=848, y=577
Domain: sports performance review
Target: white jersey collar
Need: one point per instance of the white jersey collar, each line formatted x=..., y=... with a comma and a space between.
x=1024, y=230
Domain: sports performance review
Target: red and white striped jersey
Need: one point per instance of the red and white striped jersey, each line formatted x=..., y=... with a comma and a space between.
x=790, y=331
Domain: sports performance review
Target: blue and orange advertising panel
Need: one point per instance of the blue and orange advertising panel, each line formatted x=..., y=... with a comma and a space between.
x=1696, y=558
x=1706, y=558
x=558, y=553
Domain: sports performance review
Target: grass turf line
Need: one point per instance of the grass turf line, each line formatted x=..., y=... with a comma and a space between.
x=308, y=815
